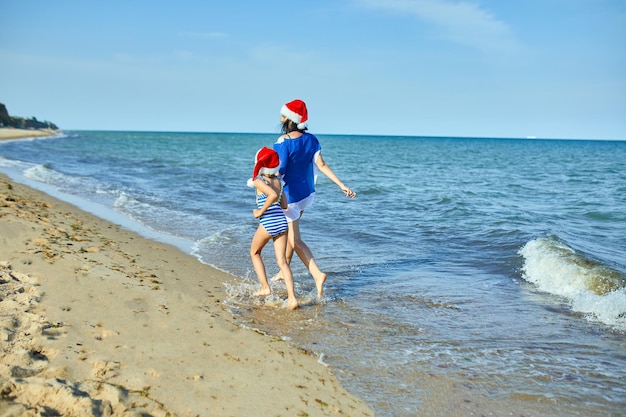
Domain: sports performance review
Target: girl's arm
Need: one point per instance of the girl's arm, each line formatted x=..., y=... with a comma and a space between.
x=272, y=195
x=283, y=201
x=325, y=169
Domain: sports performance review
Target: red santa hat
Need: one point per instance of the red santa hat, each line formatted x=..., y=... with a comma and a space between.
x=296, y=112
x=266, y=162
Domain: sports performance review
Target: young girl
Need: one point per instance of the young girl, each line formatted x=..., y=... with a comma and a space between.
x=270, y=201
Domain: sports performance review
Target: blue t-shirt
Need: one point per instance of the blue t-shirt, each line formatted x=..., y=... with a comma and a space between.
x=297, y=165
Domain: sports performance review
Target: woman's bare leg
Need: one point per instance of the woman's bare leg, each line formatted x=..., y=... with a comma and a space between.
x=288, y=255
x=305, y=255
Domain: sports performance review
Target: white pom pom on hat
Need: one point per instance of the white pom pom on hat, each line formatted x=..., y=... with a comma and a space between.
x=296, y=112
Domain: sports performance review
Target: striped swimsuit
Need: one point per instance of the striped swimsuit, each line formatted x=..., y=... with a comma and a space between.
x=273, y=220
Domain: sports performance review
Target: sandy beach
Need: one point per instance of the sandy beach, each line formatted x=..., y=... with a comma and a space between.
x=98, y=321
x=11, y=133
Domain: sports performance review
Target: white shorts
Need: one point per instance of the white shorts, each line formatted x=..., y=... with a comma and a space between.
x=294, y=210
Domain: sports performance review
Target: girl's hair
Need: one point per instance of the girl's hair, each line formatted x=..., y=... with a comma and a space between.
x=289, y=126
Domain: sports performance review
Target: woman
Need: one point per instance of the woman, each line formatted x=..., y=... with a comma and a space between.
x=300, y=155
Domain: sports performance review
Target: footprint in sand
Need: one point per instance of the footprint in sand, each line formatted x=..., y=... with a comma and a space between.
x=104, y=369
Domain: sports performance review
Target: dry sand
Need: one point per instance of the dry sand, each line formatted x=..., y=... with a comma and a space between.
x=10, y=133
x=98, y=321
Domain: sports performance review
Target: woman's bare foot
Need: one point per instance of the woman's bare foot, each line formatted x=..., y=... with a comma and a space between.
x=277, y=277
x=263, y=292
x=320, y=279
x=292, y=304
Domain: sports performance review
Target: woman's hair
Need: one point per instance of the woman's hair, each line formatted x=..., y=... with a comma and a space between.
x=289, y=126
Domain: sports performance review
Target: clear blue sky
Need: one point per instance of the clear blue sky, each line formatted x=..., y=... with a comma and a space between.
x=494, y=68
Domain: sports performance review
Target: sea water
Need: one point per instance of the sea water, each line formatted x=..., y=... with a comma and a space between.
x=497, y=264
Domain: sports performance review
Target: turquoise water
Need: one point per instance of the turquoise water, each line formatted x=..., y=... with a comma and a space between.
x=499, y=263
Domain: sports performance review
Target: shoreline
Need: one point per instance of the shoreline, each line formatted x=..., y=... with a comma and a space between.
x=8, y=133
x=97, y=320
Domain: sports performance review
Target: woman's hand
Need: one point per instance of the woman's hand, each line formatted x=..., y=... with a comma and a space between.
x=348, y=192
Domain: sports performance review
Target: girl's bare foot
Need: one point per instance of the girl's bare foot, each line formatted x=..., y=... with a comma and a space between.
x=263, y=292
x=320, y=279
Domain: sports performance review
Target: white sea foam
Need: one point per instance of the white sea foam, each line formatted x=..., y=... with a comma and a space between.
x=240, y=294
x=43, y=173
x=126, y=203
x=9, y=163
x=590, y=288
x=83, y=186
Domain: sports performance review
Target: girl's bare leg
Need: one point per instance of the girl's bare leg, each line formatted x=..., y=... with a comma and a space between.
x=280, y=244
x=260, y=239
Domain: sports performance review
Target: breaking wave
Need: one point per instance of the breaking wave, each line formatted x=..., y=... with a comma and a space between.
x=591, y=288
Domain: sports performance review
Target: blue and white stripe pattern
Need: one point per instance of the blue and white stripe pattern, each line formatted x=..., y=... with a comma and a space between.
x=273, y=220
